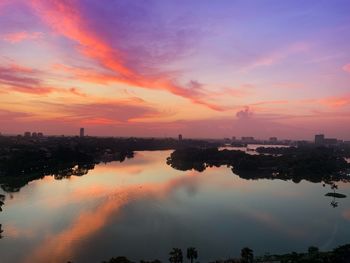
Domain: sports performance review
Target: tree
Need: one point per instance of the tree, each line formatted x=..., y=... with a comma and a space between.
x=118, y=260
x=192, y=253
x=247, y=255
x=176, y=256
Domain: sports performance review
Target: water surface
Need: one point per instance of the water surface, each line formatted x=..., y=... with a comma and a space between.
x=142, y=208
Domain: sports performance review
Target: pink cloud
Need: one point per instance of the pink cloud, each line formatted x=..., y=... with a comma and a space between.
x=21, y=36
x=288, y=85
x=245, y=113
x=103, y=113
x=28, y=80
x=65, y=18
x=12, y=116
x=346, y=68
x=276, y=56
x=336, y=101
x=110, y=121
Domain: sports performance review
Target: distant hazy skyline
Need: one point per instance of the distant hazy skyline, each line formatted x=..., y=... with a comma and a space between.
x=160, y=67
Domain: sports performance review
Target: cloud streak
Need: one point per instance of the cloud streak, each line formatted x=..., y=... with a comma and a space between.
x=21, y=36
x=346, y=68
x=66, y=18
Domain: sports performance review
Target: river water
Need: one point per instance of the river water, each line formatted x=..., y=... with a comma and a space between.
x=142, y=208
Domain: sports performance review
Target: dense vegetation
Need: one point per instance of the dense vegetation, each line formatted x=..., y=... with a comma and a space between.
x=25, y=159
x=315, y=164
x=338, y=255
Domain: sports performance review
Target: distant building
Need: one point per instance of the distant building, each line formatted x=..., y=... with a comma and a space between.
x=319, y=139
x=303, y=143
x=82, y=132
x=273, y=139
x=233, y=138
x=248, y=139
x=40, y=134
x=329, y=141
x=34, y=134
x=27, y=134
x=180, y=137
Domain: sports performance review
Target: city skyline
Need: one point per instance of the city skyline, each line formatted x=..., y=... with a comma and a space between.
x=163, y=68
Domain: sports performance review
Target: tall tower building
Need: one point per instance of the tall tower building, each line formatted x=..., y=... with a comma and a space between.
x=82, y=132
x=319, y=139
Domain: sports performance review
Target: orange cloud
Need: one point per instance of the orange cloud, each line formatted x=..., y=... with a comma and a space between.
x=104, y=112
x=23, y=79
x=65, y=18
x=336, y=101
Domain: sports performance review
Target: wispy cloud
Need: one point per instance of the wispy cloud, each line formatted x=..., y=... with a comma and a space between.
x=245, y=113
x=104, y=112
x=22, y=79
x=66, y=18
x=336, y=101
x=274, y=57
x=21, y=36
x=347, y=68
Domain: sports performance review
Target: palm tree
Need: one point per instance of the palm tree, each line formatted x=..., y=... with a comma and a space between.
x=247, y=255
x=192, y=253
x=176, y=256
x=2, y=198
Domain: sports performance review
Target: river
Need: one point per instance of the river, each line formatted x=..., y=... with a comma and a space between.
x=142, y=208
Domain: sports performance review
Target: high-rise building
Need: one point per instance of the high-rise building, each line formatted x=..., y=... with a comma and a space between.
x=27, y=134
x=319, y=139
x=82, y=132
x=180, y=137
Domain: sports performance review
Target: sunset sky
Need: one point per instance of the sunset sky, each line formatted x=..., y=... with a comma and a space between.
x=201, y=68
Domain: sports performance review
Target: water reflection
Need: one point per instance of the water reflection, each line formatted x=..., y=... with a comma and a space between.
x=117, y=208
x=14, y=181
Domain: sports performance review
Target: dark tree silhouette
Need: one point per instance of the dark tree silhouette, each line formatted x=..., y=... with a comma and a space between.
x=313, y=250
x=2, y=199
x=247, y=255
x=192, y=254
x=151, y=261
x=176, y=256
x=118, y=260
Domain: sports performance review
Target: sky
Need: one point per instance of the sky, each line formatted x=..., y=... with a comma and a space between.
x=159, y=68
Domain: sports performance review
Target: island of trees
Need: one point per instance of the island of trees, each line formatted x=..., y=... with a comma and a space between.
x=315, y=164
x=25, y=159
